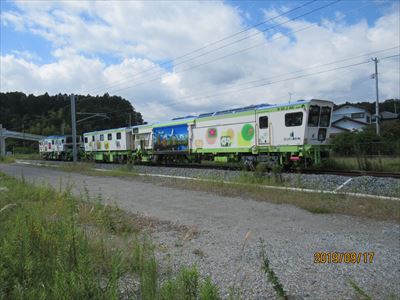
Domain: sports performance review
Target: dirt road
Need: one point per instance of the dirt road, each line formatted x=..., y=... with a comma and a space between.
x=291, y=236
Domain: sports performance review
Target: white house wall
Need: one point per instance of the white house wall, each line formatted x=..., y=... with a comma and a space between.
x=348, y=110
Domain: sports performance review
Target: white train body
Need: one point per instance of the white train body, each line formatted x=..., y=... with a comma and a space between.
x=52, y=144
x=265, y=126
x=285, y=132
x=119, y=139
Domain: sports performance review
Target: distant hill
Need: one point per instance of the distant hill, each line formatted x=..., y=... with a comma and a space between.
x=48, y=115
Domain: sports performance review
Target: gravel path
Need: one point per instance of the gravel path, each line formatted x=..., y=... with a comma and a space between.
x=220, y=224
x=363, y=184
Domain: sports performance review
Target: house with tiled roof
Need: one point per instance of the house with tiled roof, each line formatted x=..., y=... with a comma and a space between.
x=349, y=117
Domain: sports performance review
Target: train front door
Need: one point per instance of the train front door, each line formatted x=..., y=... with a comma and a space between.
x=263, y=130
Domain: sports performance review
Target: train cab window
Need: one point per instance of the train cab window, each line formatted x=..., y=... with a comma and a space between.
x=325, y=119
x=263, y=121
x=109, y=136
x=101, y=137
x=118, y=135
x=86, y=139
x=293, y=119
x=313, y=116
x=92, y=138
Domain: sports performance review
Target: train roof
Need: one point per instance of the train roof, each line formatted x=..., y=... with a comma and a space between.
x=283, y=104
x=108, y=130
x=248, y=108
x=54, y=136
x=175, y=121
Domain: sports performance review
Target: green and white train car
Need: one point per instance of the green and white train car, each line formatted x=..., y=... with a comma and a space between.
x=282, y=134
x=271, y=134
x=58, y=147
x=124, y=144
x=111, y=145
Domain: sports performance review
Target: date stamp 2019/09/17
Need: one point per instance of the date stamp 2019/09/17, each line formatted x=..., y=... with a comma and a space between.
x=344, y=257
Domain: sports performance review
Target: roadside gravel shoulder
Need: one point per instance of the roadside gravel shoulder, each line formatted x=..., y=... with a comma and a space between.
x=219, y=225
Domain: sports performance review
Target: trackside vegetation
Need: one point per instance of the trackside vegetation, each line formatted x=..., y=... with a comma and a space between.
x=56, y=246
x=365, y=150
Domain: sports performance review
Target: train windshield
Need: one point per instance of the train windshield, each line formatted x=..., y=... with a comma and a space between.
x=325, y=119
x=313, y=116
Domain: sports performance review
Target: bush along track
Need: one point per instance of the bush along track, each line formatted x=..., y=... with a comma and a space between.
x=55, y=246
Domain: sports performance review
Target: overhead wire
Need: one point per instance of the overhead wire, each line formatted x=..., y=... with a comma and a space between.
x=213, y=43
x=221, y=47
x=301, y=70
x=284, y=80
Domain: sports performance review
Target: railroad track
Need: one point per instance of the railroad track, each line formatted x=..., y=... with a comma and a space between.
x=238, y=167
x=353, y=173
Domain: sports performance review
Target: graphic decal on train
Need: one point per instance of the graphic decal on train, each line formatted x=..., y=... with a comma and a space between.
x=227, y=138
x=246, y=136
x=171, y=138
x=211, y=136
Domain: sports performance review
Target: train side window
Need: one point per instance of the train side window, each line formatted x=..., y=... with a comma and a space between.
x=62, y=141
x=101, y=137
x=313, y=116
x=118, y=135
x=293, y=119
x=92, y=138
x=52, y=142
x=109, y=136
x=263, y=121
x=86, y=139
x=325, y=116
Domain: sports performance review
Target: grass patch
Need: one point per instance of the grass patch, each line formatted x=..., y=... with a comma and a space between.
x=55, y=246
x=87, y=169
x=34, y=156
x=318, y=203
x=7, y=159
x=364, y=163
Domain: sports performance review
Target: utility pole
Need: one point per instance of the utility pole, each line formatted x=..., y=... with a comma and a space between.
x=73, y=121
x=2, y=142
x=375, y=60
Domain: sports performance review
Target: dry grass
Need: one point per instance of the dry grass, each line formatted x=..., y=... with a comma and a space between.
x=247, y=187
x=313, y=202
x=87, y=169
x=369, y=163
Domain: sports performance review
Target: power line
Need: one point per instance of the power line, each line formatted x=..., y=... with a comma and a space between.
x=218, y=41
x=302, y=70
x=224, y=46
x=222, y=57
x=284, y=80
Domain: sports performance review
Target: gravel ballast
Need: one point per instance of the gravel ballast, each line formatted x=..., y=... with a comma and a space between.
x=364, y=184
x=220, y=224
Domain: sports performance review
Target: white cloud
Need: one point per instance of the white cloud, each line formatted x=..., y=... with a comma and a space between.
x=143, y=33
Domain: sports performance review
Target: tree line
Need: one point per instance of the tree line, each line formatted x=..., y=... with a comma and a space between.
x=51, y=115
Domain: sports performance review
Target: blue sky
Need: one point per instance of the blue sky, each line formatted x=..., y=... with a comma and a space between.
x=252, y=12
x=118, y=45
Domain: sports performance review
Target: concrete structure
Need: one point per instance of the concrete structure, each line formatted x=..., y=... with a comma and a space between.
x=4, y=134
x=349, y=117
